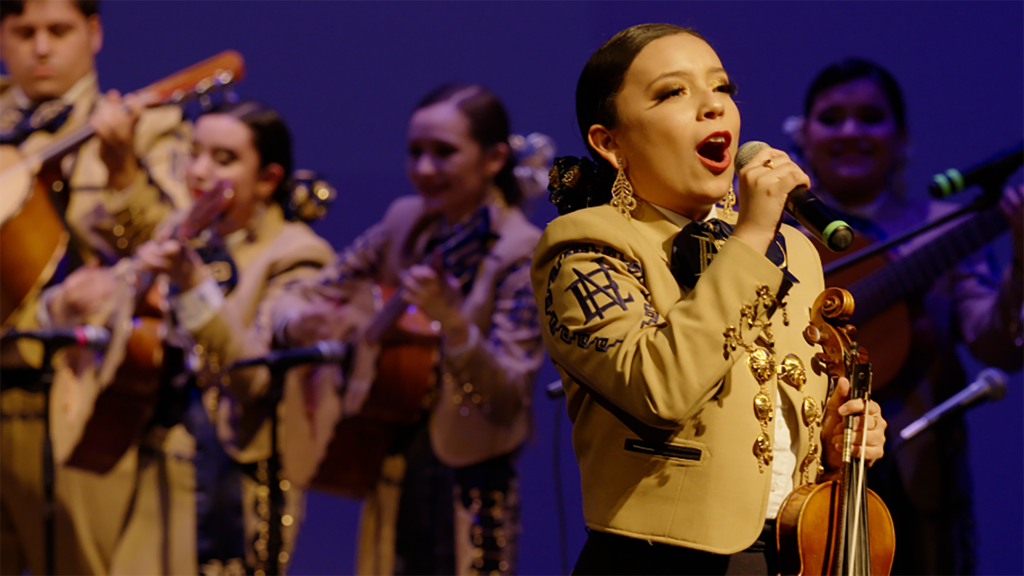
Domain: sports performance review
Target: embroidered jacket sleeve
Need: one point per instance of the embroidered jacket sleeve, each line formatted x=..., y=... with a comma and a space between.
x=242, y=327
x=603, y=330
x=359, y=260
x=989, y=313
x=501, y=364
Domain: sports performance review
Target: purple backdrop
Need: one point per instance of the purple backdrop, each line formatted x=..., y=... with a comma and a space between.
x=346, y=75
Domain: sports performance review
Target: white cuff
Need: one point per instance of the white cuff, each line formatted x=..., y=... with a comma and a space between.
x=281, y=329
x=43, y=306
x=199, y=305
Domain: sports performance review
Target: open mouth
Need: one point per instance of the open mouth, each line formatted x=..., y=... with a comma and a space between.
x=713, y=151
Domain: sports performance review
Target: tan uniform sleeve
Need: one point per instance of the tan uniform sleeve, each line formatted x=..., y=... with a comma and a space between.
x=502, y=364
x=226, y=338
x=989, y=314
x=127, y=218
x=603, y=330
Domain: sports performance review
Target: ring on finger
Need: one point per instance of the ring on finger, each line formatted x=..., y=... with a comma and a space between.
x=769, y=164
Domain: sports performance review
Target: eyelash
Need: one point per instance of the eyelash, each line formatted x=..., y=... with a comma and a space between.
x=727, y=88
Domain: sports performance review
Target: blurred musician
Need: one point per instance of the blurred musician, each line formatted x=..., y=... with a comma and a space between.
x=854, y=140
x=115, y=188
x=452, y=472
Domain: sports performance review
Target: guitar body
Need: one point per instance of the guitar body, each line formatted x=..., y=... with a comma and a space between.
x=805, y=527
x=886, y=335
x=96, y=440
x=33, y=238
x=324, y=450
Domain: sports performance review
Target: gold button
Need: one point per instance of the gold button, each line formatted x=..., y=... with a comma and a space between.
x=57, y=186
x=282, y=557
x=287, y=520
x=285, y=485
x=118, y=230
x=763, y=407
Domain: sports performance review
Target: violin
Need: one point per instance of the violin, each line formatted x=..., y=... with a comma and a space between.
x=838, y=527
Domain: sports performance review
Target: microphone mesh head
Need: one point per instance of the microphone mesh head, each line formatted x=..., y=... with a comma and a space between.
x=995, y=382
x=748, y=151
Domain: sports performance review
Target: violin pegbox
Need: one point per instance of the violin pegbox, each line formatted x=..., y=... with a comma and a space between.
x=828, y=329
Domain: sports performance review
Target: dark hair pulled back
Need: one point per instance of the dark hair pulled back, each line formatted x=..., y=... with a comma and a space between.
x=488, y=125
x=578, y=182
x=11, y=7
x=851, y=69
x=273, y=142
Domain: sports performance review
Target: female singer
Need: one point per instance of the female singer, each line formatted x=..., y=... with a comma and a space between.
x=854, y=140
x=667, y=324
x=215, y=513
x=455, y=467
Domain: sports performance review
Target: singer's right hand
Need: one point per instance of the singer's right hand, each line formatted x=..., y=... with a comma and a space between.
x=762, y=196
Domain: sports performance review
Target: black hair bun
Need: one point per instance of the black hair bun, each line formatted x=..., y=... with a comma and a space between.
x=577, y=183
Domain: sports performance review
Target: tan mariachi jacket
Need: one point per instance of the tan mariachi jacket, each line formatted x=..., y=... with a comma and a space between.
x=104, y=221
x=482, y=408
x=664, y=423
x=276, y=252
x=115, y=222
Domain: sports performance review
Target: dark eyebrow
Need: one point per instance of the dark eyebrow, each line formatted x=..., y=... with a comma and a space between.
x=715, y=70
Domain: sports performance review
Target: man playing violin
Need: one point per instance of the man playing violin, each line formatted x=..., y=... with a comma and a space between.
x=112, y=192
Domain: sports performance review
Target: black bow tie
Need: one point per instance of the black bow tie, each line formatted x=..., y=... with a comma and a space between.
x=221, y=264
x=697, y=244
x=17, y=124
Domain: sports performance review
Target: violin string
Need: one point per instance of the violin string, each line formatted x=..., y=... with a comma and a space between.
x=858, y=494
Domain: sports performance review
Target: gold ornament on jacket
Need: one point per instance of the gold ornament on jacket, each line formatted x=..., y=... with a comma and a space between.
x=762, y=365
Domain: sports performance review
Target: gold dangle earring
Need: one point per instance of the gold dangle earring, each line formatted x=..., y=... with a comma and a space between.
x=728, y=214
x=622, y=192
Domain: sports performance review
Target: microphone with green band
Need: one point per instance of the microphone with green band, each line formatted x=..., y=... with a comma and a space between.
x=806, y=208
x=992, y=172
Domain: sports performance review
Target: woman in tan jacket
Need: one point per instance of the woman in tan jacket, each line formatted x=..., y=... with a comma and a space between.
x=668, y=325
x=447, y=498
x=247, y=146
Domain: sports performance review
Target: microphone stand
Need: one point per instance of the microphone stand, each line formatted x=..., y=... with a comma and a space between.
x=268, y=473
x=986, y=199
x=49, y=474
x=275, y=542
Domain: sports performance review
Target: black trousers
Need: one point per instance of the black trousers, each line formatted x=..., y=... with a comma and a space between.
x=607, y=554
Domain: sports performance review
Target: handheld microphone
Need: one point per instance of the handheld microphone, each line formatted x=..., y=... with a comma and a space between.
x=990, y=385
x=812, y=213
x=86, y=335
x=994, y=171
x=323, y=352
